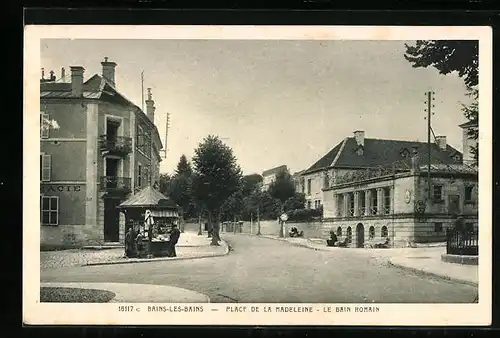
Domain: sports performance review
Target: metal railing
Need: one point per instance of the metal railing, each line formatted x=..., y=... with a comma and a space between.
x=116, y=145
x=462, y=242
x=114, y=183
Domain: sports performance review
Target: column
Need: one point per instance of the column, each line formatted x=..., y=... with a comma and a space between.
x=356, y=203
x=391, y=194
x=367, y=202
x=380, y=201
x=346, y=205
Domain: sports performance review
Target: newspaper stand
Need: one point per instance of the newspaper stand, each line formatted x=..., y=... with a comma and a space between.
x=149, y=217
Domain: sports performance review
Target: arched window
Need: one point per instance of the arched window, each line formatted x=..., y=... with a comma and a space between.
x=349, y=234
x=371, y=232
x=384, y=232
x=339, y=231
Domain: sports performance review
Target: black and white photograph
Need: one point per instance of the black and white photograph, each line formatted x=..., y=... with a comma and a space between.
x=251, y=175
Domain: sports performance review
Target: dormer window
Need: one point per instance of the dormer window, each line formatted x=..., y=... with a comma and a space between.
x=359, y=150
x=405, y=153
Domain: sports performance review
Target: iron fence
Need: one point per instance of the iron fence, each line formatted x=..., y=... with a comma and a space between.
x=462, y=242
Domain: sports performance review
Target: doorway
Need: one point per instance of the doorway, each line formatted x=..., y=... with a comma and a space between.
x=360, y=235
x=111, y=220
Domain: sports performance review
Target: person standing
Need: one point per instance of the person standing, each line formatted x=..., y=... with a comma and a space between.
x=174, y=238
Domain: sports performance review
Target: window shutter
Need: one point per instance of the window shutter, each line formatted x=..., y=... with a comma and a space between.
x=46, y=167
x=44, y=125
x=54, y=210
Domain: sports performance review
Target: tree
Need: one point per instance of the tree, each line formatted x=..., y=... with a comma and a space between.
x=283, y=187
x=216, y=177
x=179, y=187
x=250, y=183
x=164, y=183
x=449, y=56
x=232, y=207
x=295, y=202
x=184, y=167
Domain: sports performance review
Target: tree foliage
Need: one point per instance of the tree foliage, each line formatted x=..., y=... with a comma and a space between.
x=295, y=202
x=250, y=183
x=216, y=177
x=448, y=56
x=283, y=187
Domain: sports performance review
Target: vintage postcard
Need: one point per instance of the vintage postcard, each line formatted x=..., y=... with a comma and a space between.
x=257, y=175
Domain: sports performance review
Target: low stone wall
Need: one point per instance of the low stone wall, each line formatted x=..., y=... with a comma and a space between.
x=67, y=236
x=458, y=259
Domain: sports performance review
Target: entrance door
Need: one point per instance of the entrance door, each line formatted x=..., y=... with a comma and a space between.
x=360, y=235
x=111, y=220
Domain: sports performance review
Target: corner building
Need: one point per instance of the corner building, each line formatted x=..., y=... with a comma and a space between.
x=100, y=150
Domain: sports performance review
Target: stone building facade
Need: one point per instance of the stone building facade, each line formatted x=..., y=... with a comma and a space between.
x=399, y=207
x=104, y=149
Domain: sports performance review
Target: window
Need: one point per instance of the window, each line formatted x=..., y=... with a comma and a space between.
x=438, y=227
x=339, y=231
x=139, y=175
x=468, y=193
x=45, y=167
x=351, y=204
x=374, y=202
x=50, y=210
x=308, y=204
x=384, y=233
x=387, y=201
x=371, y=232
x=437, y=192
x=349, y=235
x=44, y=125
x=309, y=186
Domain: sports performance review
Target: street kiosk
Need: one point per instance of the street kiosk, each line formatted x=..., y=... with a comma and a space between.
x=150, y=219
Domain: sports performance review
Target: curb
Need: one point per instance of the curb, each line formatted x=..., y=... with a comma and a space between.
x=433, y=274
x=119, y=294
x=162, y=259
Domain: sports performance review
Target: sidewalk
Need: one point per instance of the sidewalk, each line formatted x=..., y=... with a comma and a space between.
x=190, y=246
x=426, y=260
x=140, y=293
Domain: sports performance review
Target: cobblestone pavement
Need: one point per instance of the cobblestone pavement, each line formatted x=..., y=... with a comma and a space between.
x=70, y=258
x=261, y=270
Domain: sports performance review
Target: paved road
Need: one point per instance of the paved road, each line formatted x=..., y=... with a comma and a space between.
x=263, y=270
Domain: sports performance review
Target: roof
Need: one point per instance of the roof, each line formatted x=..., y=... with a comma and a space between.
x=452, y=168
x=471, y=123
x=146, y=198
x=379, y=152
x=274, y=170
x=97, y=87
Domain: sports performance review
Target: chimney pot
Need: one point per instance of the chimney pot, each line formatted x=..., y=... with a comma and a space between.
x=63, y=73
x=150, y=106
x=77, y=80
x=43, y=74
x=441, y=142
x=415, y=160
x=108, y=71
x=359, y=136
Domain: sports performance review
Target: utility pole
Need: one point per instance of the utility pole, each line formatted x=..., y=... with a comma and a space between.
x=430, y=98
x=258, y=220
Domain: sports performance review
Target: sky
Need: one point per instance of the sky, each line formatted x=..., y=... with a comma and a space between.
x=273, y=102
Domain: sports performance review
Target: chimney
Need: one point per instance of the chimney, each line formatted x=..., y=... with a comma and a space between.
x=43, y=74
x=415, y=160
x=63, y=74
x=441, y=142
x=77, y=80
x=52, y=76
x=150, y=106
x=359, y=136
x=108, y=71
